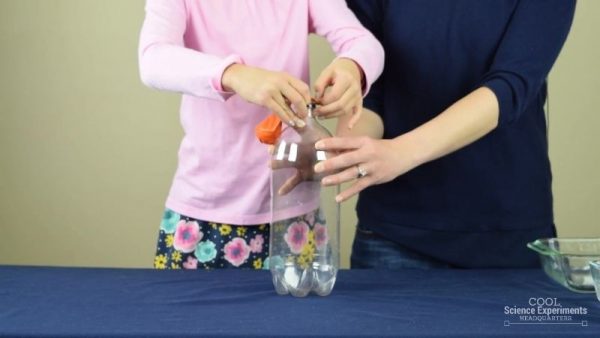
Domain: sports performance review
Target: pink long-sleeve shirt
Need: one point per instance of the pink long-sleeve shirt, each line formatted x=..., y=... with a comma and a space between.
x=185, y=45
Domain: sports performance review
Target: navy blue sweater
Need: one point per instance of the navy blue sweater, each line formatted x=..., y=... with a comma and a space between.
x=479, y=206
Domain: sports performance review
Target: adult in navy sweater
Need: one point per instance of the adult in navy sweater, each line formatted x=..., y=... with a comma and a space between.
x=455, y=169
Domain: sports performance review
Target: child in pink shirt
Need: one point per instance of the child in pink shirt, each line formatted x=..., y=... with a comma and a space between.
x=235, y=62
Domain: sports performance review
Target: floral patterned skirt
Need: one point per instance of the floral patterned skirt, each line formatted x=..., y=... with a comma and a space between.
x=188, y=243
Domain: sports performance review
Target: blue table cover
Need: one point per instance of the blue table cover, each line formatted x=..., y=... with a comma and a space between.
x=99, y=302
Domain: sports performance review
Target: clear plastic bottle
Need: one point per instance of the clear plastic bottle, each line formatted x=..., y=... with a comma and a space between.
x=304, y=240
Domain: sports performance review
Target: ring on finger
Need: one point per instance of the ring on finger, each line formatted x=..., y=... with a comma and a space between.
x=361, y=172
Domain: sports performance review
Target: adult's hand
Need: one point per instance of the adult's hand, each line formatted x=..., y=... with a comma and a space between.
x=379, y=160
x=465, y=121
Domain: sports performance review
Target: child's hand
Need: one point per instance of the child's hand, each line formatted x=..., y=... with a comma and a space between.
x=303, y=163
x=273, y=90
x=344, y=95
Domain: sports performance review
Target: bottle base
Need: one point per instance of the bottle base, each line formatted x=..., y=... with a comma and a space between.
x=319, y=278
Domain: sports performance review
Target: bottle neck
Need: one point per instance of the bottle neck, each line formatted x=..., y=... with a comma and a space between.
x=310, y=108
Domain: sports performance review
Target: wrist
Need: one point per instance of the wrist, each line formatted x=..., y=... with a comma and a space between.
x=355, y=69
x=230, y=75
x=413, y=151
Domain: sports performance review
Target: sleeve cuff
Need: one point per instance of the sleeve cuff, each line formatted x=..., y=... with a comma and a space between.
x=215, y=80
x=504, y=95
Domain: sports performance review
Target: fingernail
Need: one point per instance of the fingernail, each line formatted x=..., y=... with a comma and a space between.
x=326, y=181
x=338, y=198
x=300, y=123
x=319, y=145
x=291, y=123
x=319, y=167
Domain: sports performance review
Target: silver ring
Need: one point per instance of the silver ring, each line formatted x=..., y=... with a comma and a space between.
x=361, y=171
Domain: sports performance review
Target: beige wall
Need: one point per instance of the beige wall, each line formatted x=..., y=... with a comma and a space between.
x=574, y=121
x=87, y=153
